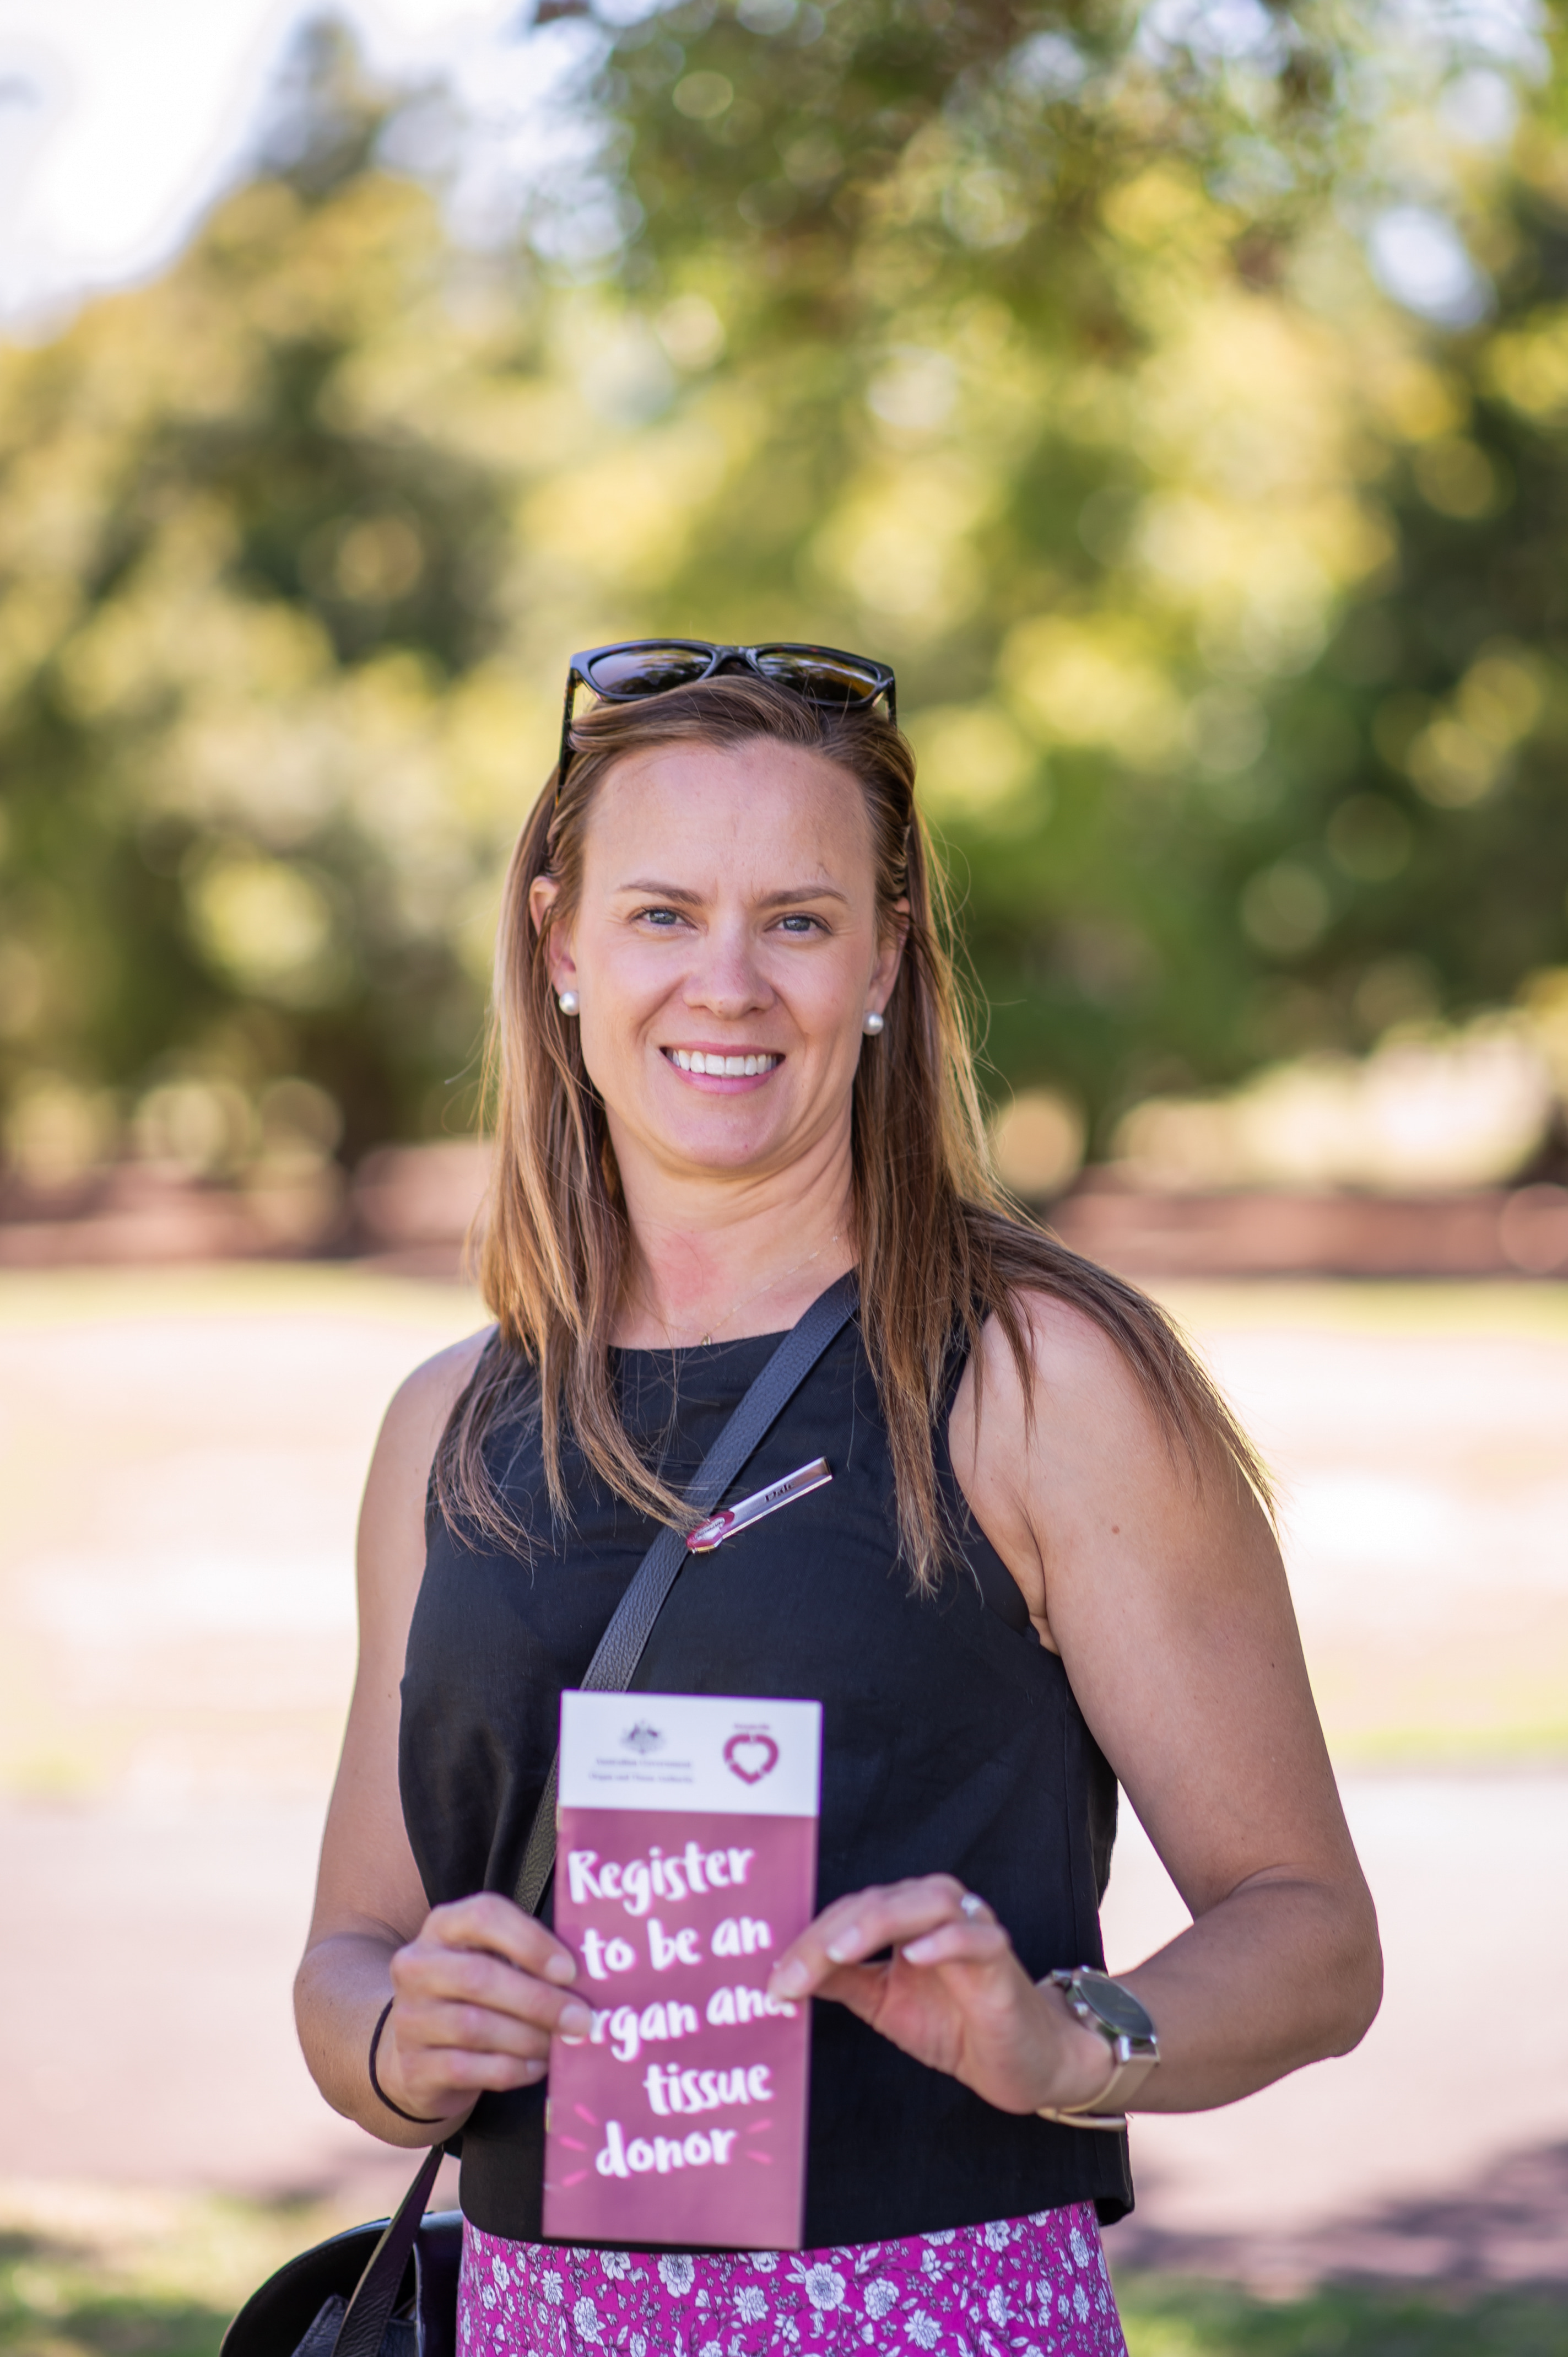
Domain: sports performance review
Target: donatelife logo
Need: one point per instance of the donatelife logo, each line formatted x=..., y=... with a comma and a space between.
x=751, y=1755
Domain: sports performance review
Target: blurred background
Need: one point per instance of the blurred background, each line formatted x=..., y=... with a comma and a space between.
x=1177, y=394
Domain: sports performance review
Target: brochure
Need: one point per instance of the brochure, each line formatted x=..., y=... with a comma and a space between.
x=686, y=1860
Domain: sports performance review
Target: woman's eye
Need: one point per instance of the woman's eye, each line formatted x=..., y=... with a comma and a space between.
x=799, y=925
x=663, y=917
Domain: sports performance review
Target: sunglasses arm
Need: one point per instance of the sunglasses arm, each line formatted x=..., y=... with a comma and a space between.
x=573, y=679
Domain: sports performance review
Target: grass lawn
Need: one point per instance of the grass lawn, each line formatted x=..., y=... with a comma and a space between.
x=1167, y=2319
x=88, y=2270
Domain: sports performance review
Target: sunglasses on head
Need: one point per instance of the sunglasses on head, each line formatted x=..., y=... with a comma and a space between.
x=637, y=667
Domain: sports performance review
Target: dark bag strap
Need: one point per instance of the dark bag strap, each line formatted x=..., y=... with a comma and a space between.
x=620, y=1648
x=611, y=1670
x=368, y=2312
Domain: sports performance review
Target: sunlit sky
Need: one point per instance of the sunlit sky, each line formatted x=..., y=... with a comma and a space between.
x=120, y=119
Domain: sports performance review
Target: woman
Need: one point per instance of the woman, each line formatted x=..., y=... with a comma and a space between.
x=730, y=1069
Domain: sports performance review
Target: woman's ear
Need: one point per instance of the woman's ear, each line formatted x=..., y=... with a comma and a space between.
x=890, y=956
x=542, y=898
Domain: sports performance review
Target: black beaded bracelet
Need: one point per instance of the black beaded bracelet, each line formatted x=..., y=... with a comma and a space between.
x=414, y=2119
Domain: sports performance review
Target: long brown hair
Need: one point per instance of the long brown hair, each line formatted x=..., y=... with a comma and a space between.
x=939, y=1246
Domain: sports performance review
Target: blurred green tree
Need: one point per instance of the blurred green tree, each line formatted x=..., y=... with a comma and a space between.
x=1058, y=374
x=254, y=564
x=1033, y=348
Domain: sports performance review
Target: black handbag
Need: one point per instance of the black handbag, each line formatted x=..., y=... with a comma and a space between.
x=389, y=2289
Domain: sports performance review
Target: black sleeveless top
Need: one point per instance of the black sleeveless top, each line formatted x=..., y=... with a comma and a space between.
x=950, y=1743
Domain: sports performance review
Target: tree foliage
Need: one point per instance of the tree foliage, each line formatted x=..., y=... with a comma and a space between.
x=1033, y=348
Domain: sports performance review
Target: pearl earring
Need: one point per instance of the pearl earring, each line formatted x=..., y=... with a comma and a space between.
x=568, y=1002
x=872, y=1023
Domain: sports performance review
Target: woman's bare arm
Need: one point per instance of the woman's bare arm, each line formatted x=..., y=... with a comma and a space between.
x=474, y=2005
x=1161, y=1587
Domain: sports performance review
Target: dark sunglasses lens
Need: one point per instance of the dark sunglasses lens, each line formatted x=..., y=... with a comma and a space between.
x=646, y=671
x=825, y=679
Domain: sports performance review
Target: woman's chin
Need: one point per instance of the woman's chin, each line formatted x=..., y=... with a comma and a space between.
x=714, y=1157
x=737, y=1136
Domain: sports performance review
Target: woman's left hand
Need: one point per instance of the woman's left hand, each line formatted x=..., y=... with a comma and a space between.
x=951, y=1993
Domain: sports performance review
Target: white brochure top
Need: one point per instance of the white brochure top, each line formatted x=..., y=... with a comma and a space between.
x=754, y=1756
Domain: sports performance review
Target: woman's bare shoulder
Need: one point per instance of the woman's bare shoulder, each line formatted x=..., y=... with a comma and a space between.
x=1079, y=1420
x=424, y=1399
x=391, y=1521
x=1075, y=1373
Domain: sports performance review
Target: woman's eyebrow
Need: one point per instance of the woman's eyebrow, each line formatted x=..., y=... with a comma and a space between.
x=655, y=890
x=792, y=898
x=683, y=897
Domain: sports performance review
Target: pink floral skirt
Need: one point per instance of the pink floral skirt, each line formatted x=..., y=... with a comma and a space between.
x=1018, y=2288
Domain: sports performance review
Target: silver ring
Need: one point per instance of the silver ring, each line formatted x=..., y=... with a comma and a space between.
x=970, y=1906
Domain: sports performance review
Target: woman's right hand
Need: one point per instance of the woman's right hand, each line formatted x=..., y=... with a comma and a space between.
x=477, y=1997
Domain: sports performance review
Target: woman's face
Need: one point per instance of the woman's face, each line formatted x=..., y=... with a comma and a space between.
x=725, y=950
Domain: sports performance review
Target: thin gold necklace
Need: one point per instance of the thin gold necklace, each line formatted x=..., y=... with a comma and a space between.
x=767, y=1286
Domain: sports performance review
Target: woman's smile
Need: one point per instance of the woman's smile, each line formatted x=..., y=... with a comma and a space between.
x=726, y=1067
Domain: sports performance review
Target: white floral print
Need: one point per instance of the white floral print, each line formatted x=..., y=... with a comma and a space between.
x=1032, y=2287
x=823, y=2286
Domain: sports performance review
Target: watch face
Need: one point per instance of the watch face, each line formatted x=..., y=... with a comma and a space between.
x=1117, y=2008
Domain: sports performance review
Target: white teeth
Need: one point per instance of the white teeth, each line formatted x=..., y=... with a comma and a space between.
x=694, y=1060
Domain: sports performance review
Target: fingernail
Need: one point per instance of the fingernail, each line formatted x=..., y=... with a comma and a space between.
x=575, y=2023
x=791, y=1979
x=847, y=1946
x=534, y=2069
x=919, y=1952
x=561, y=1968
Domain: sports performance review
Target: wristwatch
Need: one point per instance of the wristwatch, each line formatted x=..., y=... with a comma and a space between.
x=1104, y=2004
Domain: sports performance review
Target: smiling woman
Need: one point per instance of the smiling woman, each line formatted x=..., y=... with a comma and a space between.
x=729, y=1070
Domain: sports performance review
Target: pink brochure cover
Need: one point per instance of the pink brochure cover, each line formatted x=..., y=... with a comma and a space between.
x=686, y=1859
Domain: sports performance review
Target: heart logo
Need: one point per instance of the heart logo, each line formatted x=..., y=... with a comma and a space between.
x=751, y=1757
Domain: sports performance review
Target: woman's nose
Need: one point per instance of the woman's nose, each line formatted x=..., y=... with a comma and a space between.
x=727, y=977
